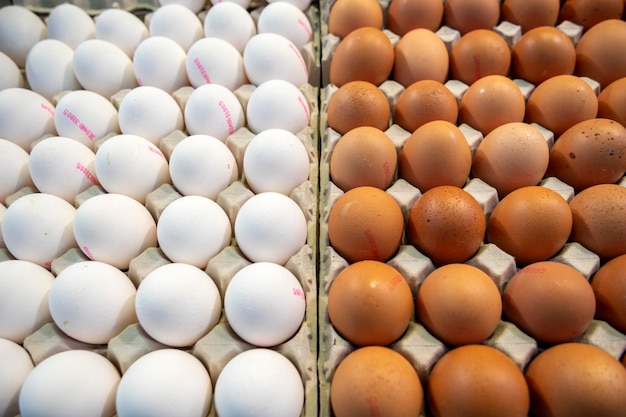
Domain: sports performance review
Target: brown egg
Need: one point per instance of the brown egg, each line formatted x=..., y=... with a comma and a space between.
x=435, y=154
x=531, y=223
x=425, y=101
x=541, y=53
x=550, y=301
x=588, y=13
x=609, y=287
x=477, y=381
x=468, y=15
x=447, y=224
x=365, y=223
x=612, y=101
x=492, y=101
x=560, y=102
x=365, y=54
x=406, y=15
x=370, y=303
x=365, y=155
x=599, y=220
x=530, y=13
x=576, y=380
x=420, y=55
x=600, y=52
x=376, y=381
x=511, y=156
x=358, y=103
x=479, y=53
x=347, y=15
x=589, y=153
x=459, y=304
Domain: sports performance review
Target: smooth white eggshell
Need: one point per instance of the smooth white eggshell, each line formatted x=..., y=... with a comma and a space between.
x=213, y=110
x=177, y=22
x=25, y=116
x=15, y=365
x=277, y=104
x=73, y=383
x=114, y=228
x=24, y=289
x=270, y=56
x=20, y=29
x=165, y=382
x=259, y=382
x=301, y=4
x=202, y=165
x=50, y=68
x=70, y=24
x=177, y=304
x=14, y=169
x=122, y=28
x=214, y=60
x=149, y=112
x=229, y=20
x=264, y=304
x=270, y=227
x=92, y=301
x=10, y=74
x=160, y=62
x=37, y=227
x=286, y=19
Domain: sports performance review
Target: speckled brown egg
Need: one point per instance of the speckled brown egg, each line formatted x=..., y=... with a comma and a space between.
x=406, y=15
x=459, y=304
x=612, y=101
x=530, y=13
x=477, y=381
x=425, y=101
x=531, y=223
x=599, y=219
x=589, y=153
x=609, y=288
x=358, y=103
x=479, y=53
x=576, y=380
x=347, y=15
x=600, y=52
x=468, y=15
x=588, y=13
x=420, y=55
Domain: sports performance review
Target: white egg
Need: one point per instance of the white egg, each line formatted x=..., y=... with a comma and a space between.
x=85, y=116
x=177, y=22
x=15, y=365
x=114, y=229
x=121, y=28
x=275, y=160
x=70, y=24
x=24, y=289
x=177, y=304
x=50, y=68
x=73, y=383
x=14, y=169
x=213, y=110
x=150, y=112
x=270, y=227
x=92, y=301
x=20, y=29
x=264, y=304
x=259, y=382
x=202, y=165
x=38, y=228
x=192, y=230
x=160, y=62
x=163, y=383
x=270, y=56
x=25, y=116
x=230, y=21
x=286, y=19
x=10, y=74
x=103, y=67
x=301, y=4
x=242, y=3
x=214, y=60
x=277, y=104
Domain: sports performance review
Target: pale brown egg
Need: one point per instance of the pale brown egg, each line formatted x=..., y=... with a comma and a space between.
x=347, y=15
x=477, y=381
x=459, y=304
x=406, y=15
x=541, y=53
x=376, y=381
x=560, y=102
x=436, y=153
x=576, y=380
x=365, y=155
x=447, y=224
x=492, y=101
x=479, y=53
x=531, y=223
x=612, y=101
x=599, y=220
x=530, y=13
x=589, y=153
x=365, y=223
x=511, y=156
x=370, y=303
x=420, y=55
x=550, y=301
x=358, y=103
x=588, y=13
x=600, y=52
x=425, y=101
x=609, y=287
x=365, y=54
x=468, y=15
